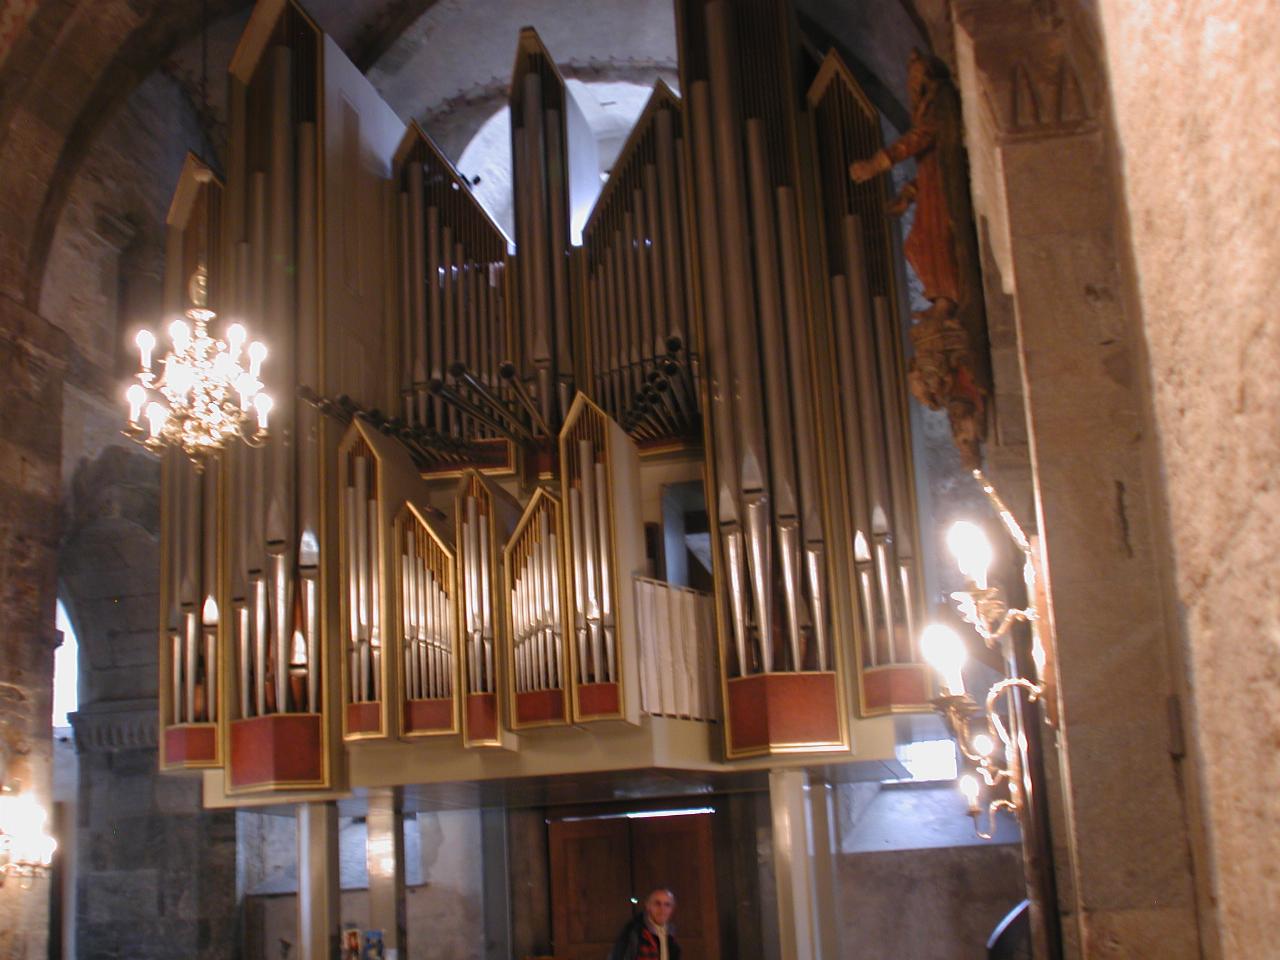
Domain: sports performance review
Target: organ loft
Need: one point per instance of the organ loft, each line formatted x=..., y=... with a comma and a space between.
x=510, y=469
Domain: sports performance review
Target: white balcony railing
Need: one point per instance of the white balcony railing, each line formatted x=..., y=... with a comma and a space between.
x=678, y=662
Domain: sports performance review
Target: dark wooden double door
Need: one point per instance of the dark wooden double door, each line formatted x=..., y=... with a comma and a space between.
x=599, y=865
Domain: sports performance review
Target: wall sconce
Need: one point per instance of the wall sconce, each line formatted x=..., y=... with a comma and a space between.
x=989, y=735
x=26, y=849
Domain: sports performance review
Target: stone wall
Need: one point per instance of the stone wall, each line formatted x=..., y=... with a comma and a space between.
x=1194, y=95
x=444, y=900
x=156, y=873
x=32, y=364
x=929, y=904
x=914, y=879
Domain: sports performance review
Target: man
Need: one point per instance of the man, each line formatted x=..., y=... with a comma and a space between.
x=648, y=936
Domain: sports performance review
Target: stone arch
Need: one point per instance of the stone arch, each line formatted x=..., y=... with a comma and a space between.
x=109, y=570
x=65, y=75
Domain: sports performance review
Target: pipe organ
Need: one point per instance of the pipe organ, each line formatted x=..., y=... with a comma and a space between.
x=189, y=584
x=429, y=635
x=452, y=271
x=878, y=490
x=536, y=652
x=636, y=303
x=441, y=546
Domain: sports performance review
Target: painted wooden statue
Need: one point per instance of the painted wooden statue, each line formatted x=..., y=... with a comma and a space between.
x=949, y=370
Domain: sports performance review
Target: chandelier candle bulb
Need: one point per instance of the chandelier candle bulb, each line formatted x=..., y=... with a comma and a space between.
x=156, y=417
x=146, y=342
x=972, y=550
x=944, y=651
x=262, y=405
x=180, y=334
x=236, y=335
x=136, y=395
x=257, y=354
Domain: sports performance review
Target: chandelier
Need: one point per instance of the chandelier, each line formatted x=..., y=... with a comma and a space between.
x=990, y=734
x=26, y=849
x=205, y=394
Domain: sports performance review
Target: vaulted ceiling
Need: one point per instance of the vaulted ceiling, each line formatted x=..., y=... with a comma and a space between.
x=67, y=65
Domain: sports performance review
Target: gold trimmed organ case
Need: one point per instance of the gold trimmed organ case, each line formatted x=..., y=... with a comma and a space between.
x=455, y=406
x=427, y=624
x=637, y=301
x=770, y=519
x=537, y=628
x=376, y=476
x=310, y=150
x=474, y=561
x=600, y=490
x=484, y=517
x=191, y=602
x=873, y=462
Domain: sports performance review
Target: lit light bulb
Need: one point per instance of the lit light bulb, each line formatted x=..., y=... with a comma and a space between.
x=22, y=821
x=156, y=416
x=146, y=342
x=178, y=376
x=236, y=335
x=137, y=396
x=982, y=744
x=972, y=550
x=969, y=788
x=262, y=404
x=180, y=333
x=257, y=353
x=943, y=650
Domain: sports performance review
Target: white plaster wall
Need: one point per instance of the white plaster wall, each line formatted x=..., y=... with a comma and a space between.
x=1195, y=86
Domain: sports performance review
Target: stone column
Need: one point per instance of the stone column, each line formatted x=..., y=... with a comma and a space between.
x=1049, y=204
x=384, y=848
x=32, y=367
x=803, y=865
x=318, y=881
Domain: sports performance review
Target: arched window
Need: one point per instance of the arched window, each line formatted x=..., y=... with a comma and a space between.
x=610, y=109
x=66, y=670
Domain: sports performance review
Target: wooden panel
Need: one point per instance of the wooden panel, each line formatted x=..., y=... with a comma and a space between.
x=776, y=711
x=364, y=717
x=677, y=853
x=590, y=885
x=883, y=688
x=482, y=717
x=191, y=745
x=278, y=750
x=433, y=715
x=540, y=706
x=598, y=700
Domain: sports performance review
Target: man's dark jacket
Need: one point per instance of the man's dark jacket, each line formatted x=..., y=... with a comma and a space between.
x=631, y=940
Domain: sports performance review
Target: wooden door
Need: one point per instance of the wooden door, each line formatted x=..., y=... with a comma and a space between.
x=676, y=852
x=590, y=886
x=599, y=865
